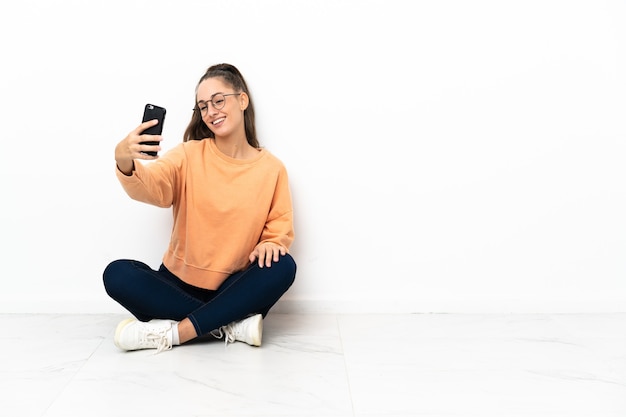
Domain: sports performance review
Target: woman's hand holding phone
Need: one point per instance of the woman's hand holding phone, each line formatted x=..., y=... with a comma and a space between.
x=134, y=146
x=143, y=142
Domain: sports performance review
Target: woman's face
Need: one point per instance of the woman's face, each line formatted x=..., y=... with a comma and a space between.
x=221, y=107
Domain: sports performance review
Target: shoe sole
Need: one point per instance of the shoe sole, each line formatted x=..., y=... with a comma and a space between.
x=118, y=332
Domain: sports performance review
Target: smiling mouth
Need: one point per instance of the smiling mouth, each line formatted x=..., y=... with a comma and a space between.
x=218, y=121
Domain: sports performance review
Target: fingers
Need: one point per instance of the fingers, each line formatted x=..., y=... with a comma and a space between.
x=280, y=252
x=271, y=253
x=139, y=144
x=267, y=253
x=134, y=146
x=264, y=254
x=143, y=148
x=145, y=125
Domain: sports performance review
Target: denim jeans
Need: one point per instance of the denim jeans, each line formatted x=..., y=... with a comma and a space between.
x=150, y=294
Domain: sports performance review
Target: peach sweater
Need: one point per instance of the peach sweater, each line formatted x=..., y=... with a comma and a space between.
x=222, y=207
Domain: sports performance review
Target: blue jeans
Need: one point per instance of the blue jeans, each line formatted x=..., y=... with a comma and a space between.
x=150, y=294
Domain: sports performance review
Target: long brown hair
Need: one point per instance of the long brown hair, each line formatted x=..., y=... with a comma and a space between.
x=197, y=129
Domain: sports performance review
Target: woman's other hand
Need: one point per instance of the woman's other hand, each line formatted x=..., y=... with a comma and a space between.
x=266, y=252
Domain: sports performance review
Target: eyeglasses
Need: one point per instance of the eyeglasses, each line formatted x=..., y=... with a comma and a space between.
x=218, y=101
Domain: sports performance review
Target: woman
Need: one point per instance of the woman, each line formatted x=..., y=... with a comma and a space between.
x=227, y=262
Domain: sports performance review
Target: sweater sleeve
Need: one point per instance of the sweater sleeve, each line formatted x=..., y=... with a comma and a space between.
x=154, y=182
x=279, y=226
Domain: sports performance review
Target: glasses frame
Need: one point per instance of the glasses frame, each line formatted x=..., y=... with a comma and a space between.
x=206, y=109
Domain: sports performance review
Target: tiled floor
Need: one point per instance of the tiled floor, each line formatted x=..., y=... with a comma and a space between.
x=324, y=365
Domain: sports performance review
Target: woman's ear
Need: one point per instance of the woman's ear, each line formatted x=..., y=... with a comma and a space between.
x=244, y=100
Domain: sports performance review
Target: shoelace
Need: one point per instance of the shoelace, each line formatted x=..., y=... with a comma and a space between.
x=159, y=338
x=227, y=332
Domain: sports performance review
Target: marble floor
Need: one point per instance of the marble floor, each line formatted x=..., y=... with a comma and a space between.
x=443, y=365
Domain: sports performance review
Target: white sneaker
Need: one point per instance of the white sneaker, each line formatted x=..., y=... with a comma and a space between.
x=132, y=334
x=249, y=330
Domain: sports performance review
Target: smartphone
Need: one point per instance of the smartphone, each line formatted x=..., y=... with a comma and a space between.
x=151, y=112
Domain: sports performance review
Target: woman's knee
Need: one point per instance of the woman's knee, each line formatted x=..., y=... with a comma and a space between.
x=115, y=276
x=285, y=270
x=289, y=262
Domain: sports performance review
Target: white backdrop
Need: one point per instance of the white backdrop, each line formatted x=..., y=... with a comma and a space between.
x=444, y=156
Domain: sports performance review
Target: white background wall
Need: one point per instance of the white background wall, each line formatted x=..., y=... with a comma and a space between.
x=444, y=156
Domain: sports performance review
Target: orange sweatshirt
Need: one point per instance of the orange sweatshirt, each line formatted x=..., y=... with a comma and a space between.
x=222, y=207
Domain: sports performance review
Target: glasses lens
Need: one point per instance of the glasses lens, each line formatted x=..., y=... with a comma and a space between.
x=218, y=101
